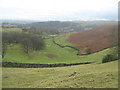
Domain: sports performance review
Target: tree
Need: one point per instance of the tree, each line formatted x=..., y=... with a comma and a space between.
x=27, y=45
x=41, y=31
x=29, y=42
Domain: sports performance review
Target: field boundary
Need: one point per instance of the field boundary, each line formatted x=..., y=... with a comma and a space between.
x=63, y=46
x=34, y=65
x=78, y=50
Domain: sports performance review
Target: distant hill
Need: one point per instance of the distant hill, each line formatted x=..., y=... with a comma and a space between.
x=62, y=26
x=70, y=26
x=95, y=39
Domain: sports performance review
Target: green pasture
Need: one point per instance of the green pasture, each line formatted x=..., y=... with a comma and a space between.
x=86, y=76
x=51, y=54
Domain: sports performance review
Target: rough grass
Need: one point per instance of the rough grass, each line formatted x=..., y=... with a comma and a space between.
x=86, y=76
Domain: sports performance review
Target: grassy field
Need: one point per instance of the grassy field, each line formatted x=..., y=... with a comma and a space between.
x=51, y=54
x=86, y=76
x=12, y=29
x=62, y=39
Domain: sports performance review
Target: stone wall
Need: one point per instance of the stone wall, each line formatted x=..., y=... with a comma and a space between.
x=33, y=65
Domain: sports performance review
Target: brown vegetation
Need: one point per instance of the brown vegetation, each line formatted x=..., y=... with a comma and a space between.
x=95, y=39
x=51, y=56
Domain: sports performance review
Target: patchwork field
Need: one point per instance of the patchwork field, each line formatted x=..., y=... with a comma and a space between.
x=12, y=29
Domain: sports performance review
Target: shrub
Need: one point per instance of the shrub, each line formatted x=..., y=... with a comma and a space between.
x=109, y=58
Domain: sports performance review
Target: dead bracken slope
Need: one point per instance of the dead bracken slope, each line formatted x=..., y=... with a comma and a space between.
x=95, y=39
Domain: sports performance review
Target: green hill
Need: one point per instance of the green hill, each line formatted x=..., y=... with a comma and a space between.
x=80, y=76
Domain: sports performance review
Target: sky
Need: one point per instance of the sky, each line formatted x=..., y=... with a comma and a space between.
x=52, y=10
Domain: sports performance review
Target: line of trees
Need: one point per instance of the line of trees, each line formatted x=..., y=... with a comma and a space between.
x=41, y=31
x=29, y=42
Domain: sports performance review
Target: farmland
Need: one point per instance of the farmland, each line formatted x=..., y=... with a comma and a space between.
x=51, y=54
x=96, y=75
x=59, y=44
x=95, y=39
x=86, y=76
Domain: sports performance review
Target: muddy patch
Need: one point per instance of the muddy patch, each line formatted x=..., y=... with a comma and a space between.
x=51, y=55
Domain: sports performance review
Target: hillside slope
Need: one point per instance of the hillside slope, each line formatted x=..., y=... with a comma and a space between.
x=51, y=54
x=95, y=39
x=80, y=76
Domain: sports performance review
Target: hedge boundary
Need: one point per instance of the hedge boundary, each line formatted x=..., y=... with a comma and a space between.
x=34, y=65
